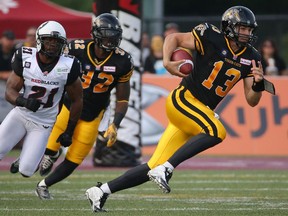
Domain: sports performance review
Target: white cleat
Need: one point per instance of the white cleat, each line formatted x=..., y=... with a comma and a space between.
x=97, y=198
x=160, y=175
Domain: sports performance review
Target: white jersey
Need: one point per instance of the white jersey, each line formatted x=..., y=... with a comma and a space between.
x=47, y=87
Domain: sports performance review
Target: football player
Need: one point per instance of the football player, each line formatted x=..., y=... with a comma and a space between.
x=44, y=74
x=104, y=66
x=223, y=58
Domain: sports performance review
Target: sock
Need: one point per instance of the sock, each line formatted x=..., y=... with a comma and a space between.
x=42, y=183
x=51, y=152
x=131, y=178
x=192, y=147
x=62, y=171
x=56, y=155
x=105, y=188
x=168, y=165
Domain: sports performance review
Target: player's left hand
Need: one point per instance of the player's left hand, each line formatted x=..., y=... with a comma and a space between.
x=65, y=139
x=111, y=135
x=173, y=68
x=257, y=71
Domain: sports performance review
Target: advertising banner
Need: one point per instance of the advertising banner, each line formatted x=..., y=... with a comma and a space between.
x=260, y=130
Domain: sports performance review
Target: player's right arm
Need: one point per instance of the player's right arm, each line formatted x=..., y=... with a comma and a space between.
x=172, y=41
x=15, y=81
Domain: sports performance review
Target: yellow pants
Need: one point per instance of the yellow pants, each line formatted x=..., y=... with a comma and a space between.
x=84, y=136
x=187, y=118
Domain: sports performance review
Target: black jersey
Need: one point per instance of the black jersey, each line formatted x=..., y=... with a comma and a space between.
x=217, y=67
x=99, y=77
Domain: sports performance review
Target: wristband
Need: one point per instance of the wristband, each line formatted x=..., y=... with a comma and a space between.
x=258, y=86
x=118, y=118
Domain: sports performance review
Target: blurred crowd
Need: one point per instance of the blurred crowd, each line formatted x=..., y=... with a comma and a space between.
x=152, y=55
x=272, y=62
x=152, y=52
x=8, y=45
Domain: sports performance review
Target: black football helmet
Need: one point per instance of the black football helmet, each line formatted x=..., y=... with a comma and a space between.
x=238, y=16
x=107, y=31
x=51, y=29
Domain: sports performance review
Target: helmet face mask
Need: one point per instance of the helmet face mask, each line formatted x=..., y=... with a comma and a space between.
x=107, y=32
x=51, y=39
x=52, y=46
x=232, y=20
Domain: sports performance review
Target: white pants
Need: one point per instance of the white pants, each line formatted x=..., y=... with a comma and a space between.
x=14, y=127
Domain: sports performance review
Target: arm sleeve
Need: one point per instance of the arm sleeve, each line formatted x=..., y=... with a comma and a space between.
x=71, y=49
x=16, y=62
x=129, y=68
x=74, y=72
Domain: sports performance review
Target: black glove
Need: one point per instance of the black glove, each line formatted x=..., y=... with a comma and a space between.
x=65, y=139
x=30, y=103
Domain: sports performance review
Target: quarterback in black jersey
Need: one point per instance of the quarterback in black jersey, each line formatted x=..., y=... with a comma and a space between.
x=223, y=58
x=104, y=66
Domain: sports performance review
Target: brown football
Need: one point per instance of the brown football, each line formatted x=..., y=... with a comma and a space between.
x=182, y=54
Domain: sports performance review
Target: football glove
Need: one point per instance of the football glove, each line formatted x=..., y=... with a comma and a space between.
x=111, y=135
x=30, y=103
x=65, y=139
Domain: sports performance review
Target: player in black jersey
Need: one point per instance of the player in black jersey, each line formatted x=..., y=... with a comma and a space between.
x=104, y=66
x=223, y=58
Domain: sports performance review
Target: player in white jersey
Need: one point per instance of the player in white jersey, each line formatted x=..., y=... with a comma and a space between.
x=42, y=75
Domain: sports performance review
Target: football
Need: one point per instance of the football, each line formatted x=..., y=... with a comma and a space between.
x=182, y=54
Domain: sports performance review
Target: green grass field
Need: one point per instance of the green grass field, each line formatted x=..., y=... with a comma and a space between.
x=194, y=192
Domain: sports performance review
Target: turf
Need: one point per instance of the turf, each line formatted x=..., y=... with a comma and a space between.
x=194, y=192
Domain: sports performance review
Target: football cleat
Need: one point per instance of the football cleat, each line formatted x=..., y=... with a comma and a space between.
x=43, y=193
x=47, y=163
x=96, y=198
x=14, y=168
x=160, y=175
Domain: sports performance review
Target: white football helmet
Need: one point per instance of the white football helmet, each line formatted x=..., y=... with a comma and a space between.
x=51, y=29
